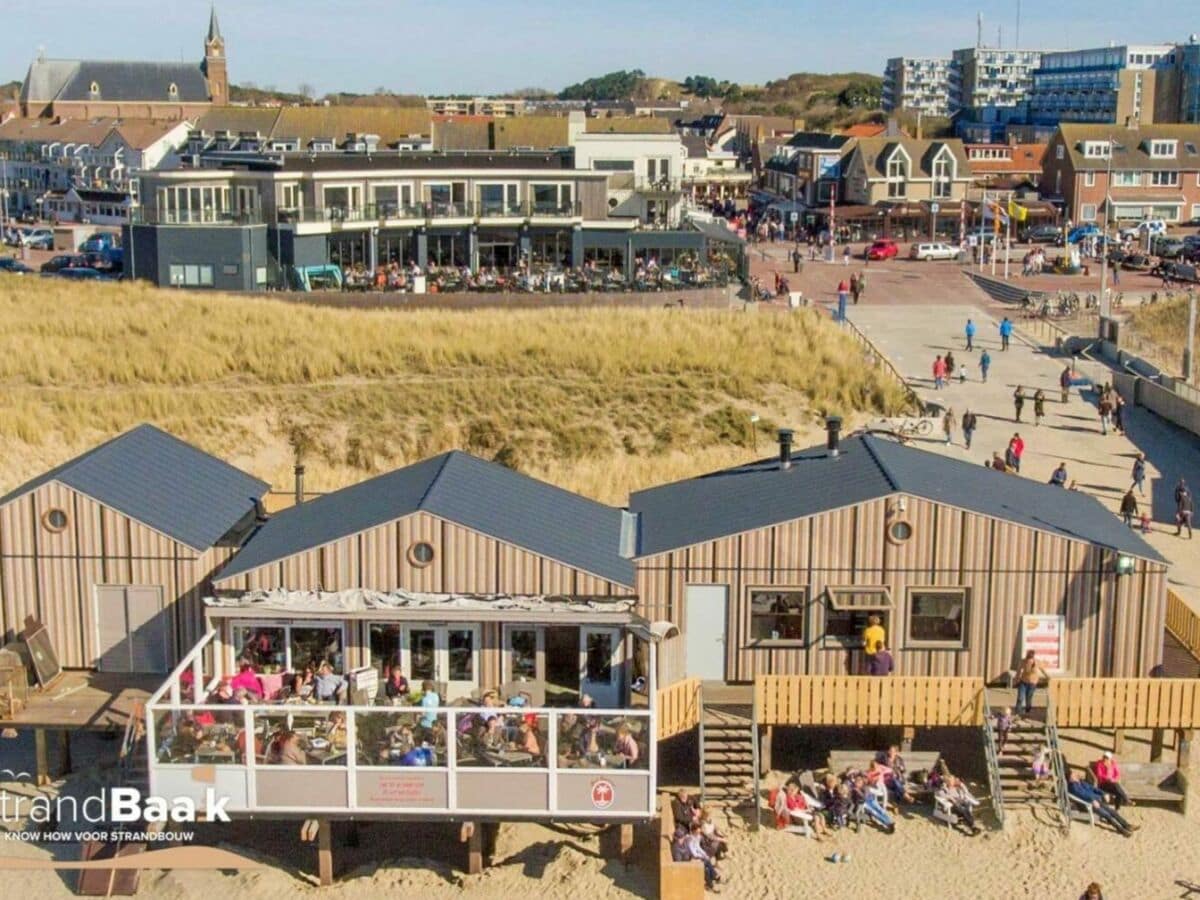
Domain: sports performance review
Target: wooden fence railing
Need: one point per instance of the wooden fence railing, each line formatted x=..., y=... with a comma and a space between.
x=1126, y=702
x=1183, y=622
x=678, y=708
x=866, y=700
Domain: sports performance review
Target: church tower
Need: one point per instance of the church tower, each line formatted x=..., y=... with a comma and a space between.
x=214, y=62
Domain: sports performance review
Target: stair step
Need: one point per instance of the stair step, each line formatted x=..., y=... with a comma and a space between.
x=721, y=768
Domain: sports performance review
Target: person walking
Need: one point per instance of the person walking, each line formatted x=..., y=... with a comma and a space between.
x=968, y=427
x=1018, y=403
x=796, y=260
x=862, y=284
x=939, y=373
x=1017, y=445
x=1039, y=407
x=1058, y=477
x=843, y=290
x=1006, y=330
x=1118, y=412
x=985, y=363
x=1139, y=474
x=970, y=332
x=1104, y=407
x=1064, y=381
x=949, y=364
x=1183, y=509
x=846, y=255
x=1129, y=508
x=948, y=425
x=1029, y=673
x=854, y=288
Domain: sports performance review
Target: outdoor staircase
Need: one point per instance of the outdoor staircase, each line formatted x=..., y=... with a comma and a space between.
x=1011, y=772
x=998, y=289
x=726, y=756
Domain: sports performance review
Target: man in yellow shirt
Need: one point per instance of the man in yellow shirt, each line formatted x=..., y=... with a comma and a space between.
x=873, y=635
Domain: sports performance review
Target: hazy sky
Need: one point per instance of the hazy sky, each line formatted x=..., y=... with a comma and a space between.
x=462, y=46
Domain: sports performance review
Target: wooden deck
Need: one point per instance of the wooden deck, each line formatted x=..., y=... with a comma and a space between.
x=80, y=700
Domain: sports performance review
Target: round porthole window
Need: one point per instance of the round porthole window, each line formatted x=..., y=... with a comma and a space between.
x=54, y=519
x=420, y=553
x=899, y=531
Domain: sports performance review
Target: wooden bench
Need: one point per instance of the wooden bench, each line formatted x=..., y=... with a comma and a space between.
x=676, y=880
x=914, y=761
x=1148, y=782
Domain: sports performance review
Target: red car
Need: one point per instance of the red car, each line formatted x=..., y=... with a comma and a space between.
x=883, y=249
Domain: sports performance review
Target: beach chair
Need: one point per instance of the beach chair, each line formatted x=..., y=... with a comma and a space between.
x=943, y=811
x=1081, y=810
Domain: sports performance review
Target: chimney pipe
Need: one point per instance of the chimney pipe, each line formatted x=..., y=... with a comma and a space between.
x=299, y=472
x=785, y=448
x=833, y=429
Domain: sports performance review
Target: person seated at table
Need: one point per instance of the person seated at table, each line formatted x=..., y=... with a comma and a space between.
x=188, y=735
x=1108, y=779
x=247, y=679
x=713, y=841
x=685, y=809
x=862, y=798
x=396, y=684
x=626, y=747
x=285, y=750
x=1094, y=798
x=302, y=683
x=489, y=737
x=401, y=739
x=527, y=739
x=589, y=739
x=328, y=686
x=961, y=802
x=335, y=729
x=490, y=700
x=897, y=784
x=835, y=798
x=239, y=744
x=419, y=756
x=429, y=702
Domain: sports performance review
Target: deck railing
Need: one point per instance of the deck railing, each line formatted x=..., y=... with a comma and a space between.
x=678, y=708
x=1183, y=623
x=1126, y=702
x=868, y=700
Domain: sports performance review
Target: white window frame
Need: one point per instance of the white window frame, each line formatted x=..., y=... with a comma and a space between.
x=1084, y=215
x=400, y=187
x=560, y=187
x=898, y=182
x=886, y=606
x=1164, y=178
x=441, y=654
x=1089, y=179
x=298, y=195
x=1163, y=149
x=354, y=193
x=920, y=643
x=287, y=625
x=1127, y=179
x=506, y=185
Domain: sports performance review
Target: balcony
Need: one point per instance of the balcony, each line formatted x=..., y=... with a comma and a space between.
x=362, y=759
x=376, y=215
x=662, y=184
x=154, y=216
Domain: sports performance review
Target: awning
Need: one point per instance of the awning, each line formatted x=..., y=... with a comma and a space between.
x=715, y=231
x=397, y=605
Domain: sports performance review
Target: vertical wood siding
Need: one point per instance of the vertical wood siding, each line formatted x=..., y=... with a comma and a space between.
x=1115, y=625
x=52, y=575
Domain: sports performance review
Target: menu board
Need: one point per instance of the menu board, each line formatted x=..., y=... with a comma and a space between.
x=1045, y=636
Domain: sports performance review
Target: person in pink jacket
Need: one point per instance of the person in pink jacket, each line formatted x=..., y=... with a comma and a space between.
x=1108, y=779
x=939, y=373
x=248, y=680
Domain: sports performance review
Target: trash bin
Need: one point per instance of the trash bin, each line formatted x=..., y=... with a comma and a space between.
x=795, y=299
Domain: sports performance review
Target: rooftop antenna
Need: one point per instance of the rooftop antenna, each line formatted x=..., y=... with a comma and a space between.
x=1017, y=39
x=978, y=30
x=999, y=37
x=41, y=53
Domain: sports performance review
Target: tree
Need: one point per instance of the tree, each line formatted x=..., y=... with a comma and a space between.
x=307, y=91
x=861, y=94
x=618, y=85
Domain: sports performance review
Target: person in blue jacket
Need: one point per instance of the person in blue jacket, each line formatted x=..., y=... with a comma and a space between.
x=970, y=332
x=1094, y=797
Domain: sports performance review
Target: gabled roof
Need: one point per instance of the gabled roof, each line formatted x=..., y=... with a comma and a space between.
x=762, y=494
x=1130, y=150
x=818, y=140
x=119, y=80
x=865, y=130
x=479, y=495
x=160, y=481
x=877, y=150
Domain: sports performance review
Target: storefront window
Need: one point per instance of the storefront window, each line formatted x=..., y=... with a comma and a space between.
x=523, y=651
x=314, y=646
x=849, y=610
x=262, y=646
x=384, y=642
x=461, y=645
x=777, y=615
x=422, y=650
x=937, y=616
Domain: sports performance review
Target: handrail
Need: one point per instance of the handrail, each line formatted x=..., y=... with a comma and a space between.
x=700, y=735
x=1060, y=774
x=1183, y=623
x=756, y=821
x=880, y=359
x=993, y=762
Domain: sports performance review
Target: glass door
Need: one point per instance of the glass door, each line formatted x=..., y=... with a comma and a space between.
x=600, y=664
x=420, y=654
x=462, y=655
x=447, y=655
x=523, y=649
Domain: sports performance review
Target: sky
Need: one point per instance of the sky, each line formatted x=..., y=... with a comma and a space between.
x=484, y=46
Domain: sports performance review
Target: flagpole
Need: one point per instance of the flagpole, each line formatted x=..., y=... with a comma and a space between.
x=995, y=232
x=1008, y=238
x=982, y=217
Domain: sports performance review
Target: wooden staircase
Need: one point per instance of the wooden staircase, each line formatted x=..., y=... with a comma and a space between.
x=726, y=756
x=1014, y=765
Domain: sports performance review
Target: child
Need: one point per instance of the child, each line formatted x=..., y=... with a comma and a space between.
x=1145, y=523
x=1041, y=765
x=1003, y=725
x=962, y=373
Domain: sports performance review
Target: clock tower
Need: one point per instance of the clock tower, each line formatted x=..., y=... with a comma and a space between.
x=214, y=62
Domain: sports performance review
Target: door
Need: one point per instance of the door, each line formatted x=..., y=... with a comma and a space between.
x=131, y=629
x=600, y=665
x=445, y=655
x=706, y=607
x=524, y=653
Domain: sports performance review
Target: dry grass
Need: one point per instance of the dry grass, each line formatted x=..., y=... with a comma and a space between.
x=597, y=400
x=1159, y=332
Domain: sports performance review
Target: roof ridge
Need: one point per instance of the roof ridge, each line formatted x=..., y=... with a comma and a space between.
x=869, y=442
x=434, y=480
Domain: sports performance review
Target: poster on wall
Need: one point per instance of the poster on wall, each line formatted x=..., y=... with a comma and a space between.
x=1044, y=635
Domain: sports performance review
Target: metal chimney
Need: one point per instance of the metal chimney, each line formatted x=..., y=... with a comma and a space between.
x=299, y=473
x=833, y=430
x=785, y=448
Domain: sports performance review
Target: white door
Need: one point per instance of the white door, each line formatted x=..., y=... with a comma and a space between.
x=132, y=629
x=447, y=655
x=706, y=608
x=600, y=665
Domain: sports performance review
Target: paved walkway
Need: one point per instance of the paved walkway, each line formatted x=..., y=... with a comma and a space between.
x=913, y=335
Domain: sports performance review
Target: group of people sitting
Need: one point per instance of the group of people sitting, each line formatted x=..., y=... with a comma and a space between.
x=697, y=837
x=855, y=796
x=1103, y=792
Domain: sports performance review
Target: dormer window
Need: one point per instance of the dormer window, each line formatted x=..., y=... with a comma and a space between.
x=1163, y=149
x=897, y=174
x=1097, y=149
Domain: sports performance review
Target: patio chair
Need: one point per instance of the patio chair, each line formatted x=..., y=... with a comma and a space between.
x=943, y=811
x=1081, y=810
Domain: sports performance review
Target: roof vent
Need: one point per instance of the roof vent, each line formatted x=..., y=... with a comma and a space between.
x=833, y=431
x=785, y=448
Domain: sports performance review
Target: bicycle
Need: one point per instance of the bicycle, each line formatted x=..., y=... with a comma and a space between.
x=915, y=427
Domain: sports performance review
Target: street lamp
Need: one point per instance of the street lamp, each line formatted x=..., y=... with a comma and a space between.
x=1105, y=304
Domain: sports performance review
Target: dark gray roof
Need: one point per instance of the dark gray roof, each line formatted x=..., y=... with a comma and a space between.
x=716, y=231
x=162, y=482
x=461, y=488
x=118, y=80
x=696, y=144
x=818, y=140
x=761, y=494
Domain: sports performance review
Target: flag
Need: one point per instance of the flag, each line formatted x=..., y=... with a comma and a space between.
x=1016, y=211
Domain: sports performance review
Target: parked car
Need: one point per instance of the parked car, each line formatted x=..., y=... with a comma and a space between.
x=1042, y=234
x=884, y=248
x=933, y=251
x=1079, y=232
x=13, y=266
x=100, y=242
x=1141, y=229
x=1167, y=247
x=39, y=239
x=1137, y=262
x=1192, y=222
x=64, y=261
x=80, y=273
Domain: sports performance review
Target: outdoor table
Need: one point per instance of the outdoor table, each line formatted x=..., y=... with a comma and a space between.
x=215, y=754
x=507, y=757
x=330, y=757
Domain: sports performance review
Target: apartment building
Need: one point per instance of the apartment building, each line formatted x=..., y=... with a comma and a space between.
x=1006, y=166
x=1189, y=76
x=1129, y=82
x=644, y=171
x=498, y=107
x=991, y=77
x=918, y=84
x=1155, y=172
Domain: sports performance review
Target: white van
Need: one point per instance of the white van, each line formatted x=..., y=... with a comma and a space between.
x=1141, y=229
x=933, y=251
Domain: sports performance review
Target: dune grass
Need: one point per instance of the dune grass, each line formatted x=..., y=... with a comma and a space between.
x=1159, y=332
x=599, y=401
